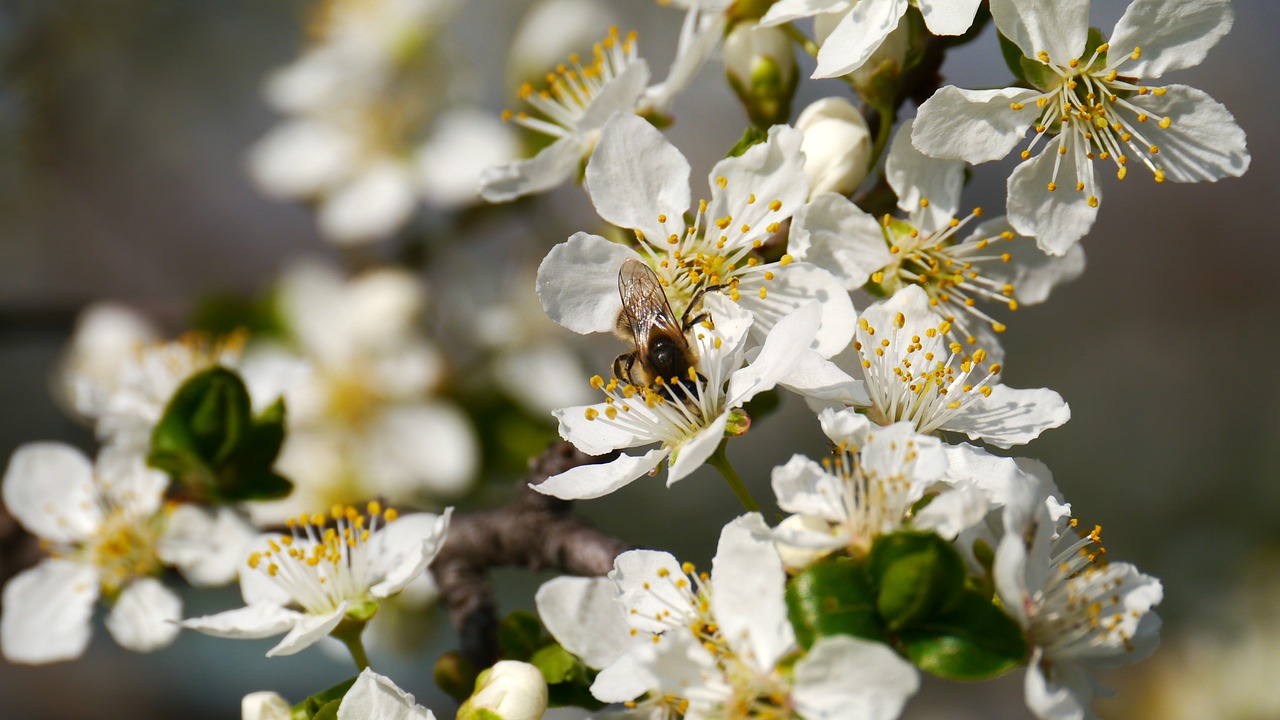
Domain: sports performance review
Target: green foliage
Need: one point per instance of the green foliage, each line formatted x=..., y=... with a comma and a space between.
x=520, y=635
x=455, y=675
x=833, y=597
x=324, y=704
x=912, y=592
x=212, y=445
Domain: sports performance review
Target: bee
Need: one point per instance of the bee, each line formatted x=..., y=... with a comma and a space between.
x=662, y=351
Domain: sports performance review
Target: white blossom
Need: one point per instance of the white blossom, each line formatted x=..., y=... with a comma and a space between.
x=376, y=697
x=1090, y=104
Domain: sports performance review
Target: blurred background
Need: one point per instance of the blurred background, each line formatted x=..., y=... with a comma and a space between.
x=124, y=131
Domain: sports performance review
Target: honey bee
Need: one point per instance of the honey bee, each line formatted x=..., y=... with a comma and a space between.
x=662, y=351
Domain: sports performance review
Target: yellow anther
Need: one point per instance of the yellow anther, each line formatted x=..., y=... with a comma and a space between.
x=591, y=413
x=785, y=260
x=721, y=182
x=1093, y=201
x=1165, y=122
x=775, y=205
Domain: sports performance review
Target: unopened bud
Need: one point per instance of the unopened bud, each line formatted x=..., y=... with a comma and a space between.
x=264, y=706
x=761, y=66
x=836, y=145
x=509, y=690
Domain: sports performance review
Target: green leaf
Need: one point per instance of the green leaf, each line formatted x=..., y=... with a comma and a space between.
x=916, y=576
x=519, y=635
x=752, y=136
x=557, y=664
x=832, y=597
x=973, y=640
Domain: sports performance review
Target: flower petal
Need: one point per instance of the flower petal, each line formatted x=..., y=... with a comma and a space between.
x=816, y=378
x=584, y=616
x=409, y=544
x=785, y=11
x=249, y=622
x=425, y=446
x=464, y=143
x=145, y=616
x=308, y=630
x=949, y=17
x=592, y=481
x=375, y=697
x=695, y=451
x=976, y=126
x=699, y=34
x=599, y=436
x=927, y=188
x=208, y=546
x=1009, y=416
x=848, y=677
x=301, y=158
x=857, y=36
x=1058, y=27
x=778, y=354
x=793, y=287
x=803, y=487
x=1057, y=219
x=1067, y=696
x=837, y=236
x=635, y=176
x=47, y=610
x=618, y=96
x=749, y=601
x=1203, y=141
x=370, y=206
x=551, y=167
x=578, y=283
x=49, y=489
x=747, y=188
x=649, y=588
x=1173, y=34
x=1031, y=271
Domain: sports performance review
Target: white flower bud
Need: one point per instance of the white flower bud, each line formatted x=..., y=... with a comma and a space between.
x=511, y=690
x=836, y=145
x=264, y=706
x=761, y=65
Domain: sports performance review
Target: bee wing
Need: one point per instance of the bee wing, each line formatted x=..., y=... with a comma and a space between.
x=644, y=302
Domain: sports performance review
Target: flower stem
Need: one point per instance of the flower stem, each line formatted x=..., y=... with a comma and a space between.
x=888, y=114
x=348, y=633
x=720, y=461
x=800, y=39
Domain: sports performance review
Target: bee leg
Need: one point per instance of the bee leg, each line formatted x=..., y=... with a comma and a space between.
x=686, y=321
x=622, y=366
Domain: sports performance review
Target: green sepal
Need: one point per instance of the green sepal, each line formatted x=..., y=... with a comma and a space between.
x=973, y=640
x=833, y=597
x=519, y=635
x=751, y=136
x=739, y=423
x=1013, y=57
x=213, y=447
x=916, y=575
x=323, y=704
x=557, y=664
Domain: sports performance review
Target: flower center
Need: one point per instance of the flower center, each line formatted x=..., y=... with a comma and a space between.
x=919, y=378
x=123, y=550
x=572, y=88
x=325, y=560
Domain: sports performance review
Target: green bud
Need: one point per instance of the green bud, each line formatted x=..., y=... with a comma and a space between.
x=761, y=67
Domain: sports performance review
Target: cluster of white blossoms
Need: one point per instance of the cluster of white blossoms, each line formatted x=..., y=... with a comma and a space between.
x=830, y=258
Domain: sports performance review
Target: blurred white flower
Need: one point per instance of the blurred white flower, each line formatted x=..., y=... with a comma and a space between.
x=357, y=382
x=327, y=567
x=106, y=338
x=836, y=146
x=264, y=706
x=552, y=29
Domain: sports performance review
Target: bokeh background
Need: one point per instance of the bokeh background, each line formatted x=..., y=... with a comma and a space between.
x=123, y=133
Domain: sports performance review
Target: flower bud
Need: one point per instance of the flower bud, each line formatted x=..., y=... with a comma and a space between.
x=510, y=690
x=264, y=706
x=761, y=67
x=836, y=145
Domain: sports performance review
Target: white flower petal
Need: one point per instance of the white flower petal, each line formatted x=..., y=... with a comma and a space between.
x=976, y=126
x=699, y=34
x=584, y=616
x=264, y=706
x=369, y=207
x=375, y=697
x=778, y=354
x=1010, y=416
x=647, y=588
x=837, y=236
x=207, y=545
x=858, y=35
x=1058, y=219
x=1066, y=697
x=1058, y=27
x=676, y=664
x=597, y=437
x=409, y=544
x=949, y=17
x=792, y=288
x=49, y=489
x=249, y=622
x=551, y=167
x=47, y=611
x=301, y=158
x=953, y=511
x=915, y=176
x=769, y=174
x=785, y=11
x=1203, y=141
x=592, y=481
x=749, y=602
x=1032, y=272
x=635, y=176
x=816, y=378
x=1173, y=34
x=619, y=96
x=427, y=446
x=308, y=630
x=145, y=616
x=695, y=451
x=464, y=142
x=847, y=677
x=578, y=283
x=802, y=486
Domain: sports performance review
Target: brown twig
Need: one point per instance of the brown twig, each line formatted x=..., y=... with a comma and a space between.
x=533, y=531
